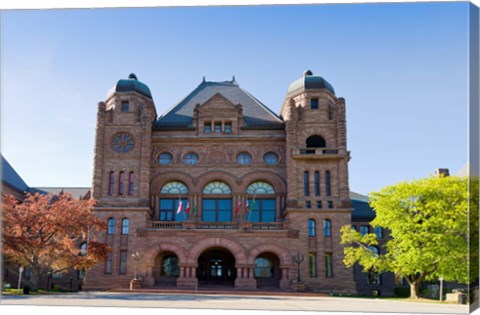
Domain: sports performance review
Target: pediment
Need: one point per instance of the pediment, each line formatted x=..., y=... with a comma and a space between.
x=218, y=103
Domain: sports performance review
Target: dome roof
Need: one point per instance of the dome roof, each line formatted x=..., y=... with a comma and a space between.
x=310, y=82
x=130, y=85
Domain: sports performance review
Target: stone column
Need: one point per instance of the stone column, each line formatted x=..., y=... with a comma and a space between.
x=285, y=281
x=187, y=279
x=245, y=279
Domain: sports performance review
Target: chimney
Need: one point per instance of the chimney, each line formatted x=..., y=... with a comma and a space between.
x=442, y=172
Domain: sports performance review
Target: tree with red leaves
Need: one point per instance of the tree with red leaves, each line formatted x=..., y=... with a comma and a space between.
x=44, y=233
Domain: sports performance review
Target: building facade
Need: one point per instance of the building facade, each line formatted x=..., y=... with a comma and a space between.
x=221, y=191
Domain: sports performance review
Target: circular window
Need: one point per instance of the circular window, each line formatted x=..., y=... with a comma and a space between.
x=190, y=158
x=165, y=158
x=123, y=142
x=270, y=158
x=244, y=158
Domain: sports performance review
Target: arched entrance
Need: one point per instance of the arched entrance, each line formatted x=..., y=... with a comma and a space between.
x=166, y=269
x=267, y=272
x=216, y=266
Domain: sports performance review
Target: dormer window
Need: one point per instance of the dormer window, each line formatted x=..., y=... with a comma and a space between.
x=208, y=127
x=314, y=103
x=228, y=127
x=124, y=107
x=218, y=127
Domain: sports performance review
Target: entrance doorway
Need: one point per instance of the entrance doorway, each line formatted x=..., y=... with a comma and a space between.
x=216, y=267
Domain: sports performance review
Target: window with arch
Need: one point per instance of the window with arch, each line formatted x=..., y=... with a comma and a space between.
x=121, y=181
x=316, y=141
x=170, y=266
x=190, y=158
x=312, y=229
x=327, y=228
x=260, y=188
x=263, y=207
x=170, y=198
x=111, y=226
x=111, y=183
x=263, y=267
x=174, y=188
x=217, y=188
x=244, y=158
x=131, y=179
x=125, y=226
x=83, y=249
x=217, y=206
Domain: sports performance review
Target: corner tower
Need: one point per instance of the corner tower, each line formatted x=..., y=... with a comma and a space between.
x=318, y=202
x=122, y=145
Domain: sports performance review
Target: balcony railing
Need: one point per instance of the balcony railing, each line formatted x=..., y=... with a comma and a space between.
x=325, y=153
x=169, y=225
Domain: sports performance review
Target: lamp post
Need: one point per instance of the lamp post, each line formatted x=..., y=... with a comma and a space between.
x=20, y=271
x=441, y=288
x=297, y=259
x=136, y=257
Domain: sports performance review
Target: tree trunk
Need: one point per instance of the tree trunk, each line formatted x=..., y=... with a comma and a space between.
x=414, y=290
x=34, y=278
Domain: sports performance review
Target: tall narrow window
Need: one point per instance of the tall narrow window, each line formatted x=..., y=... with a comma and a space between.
x=125, y=223
x=108, y=264
x=111, y=226
x=378, y=232
x=314, y=103
x=123, y=262
x=111, y=183
x=306, y=190
x=312, y=265
x=228, y=127
x=218, y=126
x=121, y=180
x=328, y=265
x=317, y=183
x=311, y=228
x=131, y=178
x=327, y=228
x=328, y=190
x=83, y=249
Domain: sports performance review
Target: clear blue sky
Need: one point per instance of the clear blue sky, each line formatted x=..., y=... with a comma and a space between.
x=402, y=68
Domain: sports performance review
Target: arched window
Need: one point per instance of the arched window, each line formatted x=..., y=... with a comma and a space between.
x=111, y=226
x=83, y=249
x=315, y=141
x=217, y=208
x=111, y=183
x=312, y=228
x=170, y=201
x=131, y=179
x=121, y=180
x=217, y=188
x=327, y=228
x=170, y=266
x=125, y=223
x=174, y=188
x=263, y=267
x=260, y=188
x=261, y=208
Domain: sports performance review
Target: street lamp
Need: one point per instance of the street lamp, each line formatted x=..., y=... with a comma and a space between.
x=297, y=259
x=441, y=288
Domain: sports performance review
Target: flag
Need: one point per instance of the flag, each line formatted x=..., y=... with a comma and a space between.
x=246, y=205
x=179, y=206
x=250, y=208
x=187, y=208
x=239, y=205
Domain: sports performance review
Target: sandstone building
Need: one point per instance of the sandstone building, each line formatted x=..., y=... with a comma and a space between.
x=220, y=190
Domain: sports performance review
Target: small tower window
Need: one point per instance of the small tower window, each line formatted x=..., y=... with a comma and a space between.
x=110, y=226
x=328, y=190
x=218, y=127
x=314, y=103
x=111, y=183
x=306, y=191
x=121, y=179
x=125, y=226
x=311, y=228
x=317, y=183
x=125, y=106
x=131, y=179
x=327, y=228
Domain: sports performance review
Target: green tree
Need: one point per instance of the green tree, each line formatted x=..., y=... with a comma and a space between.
x=428, y=224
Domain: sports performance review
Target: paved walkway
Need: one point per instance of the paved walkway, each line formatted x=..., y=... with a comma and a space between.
x=233, y=302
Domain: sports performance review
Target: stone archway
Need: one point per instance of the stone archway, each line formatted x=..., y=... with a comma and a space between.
x=153, y=259
x=283, y=264
x=199, y=247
